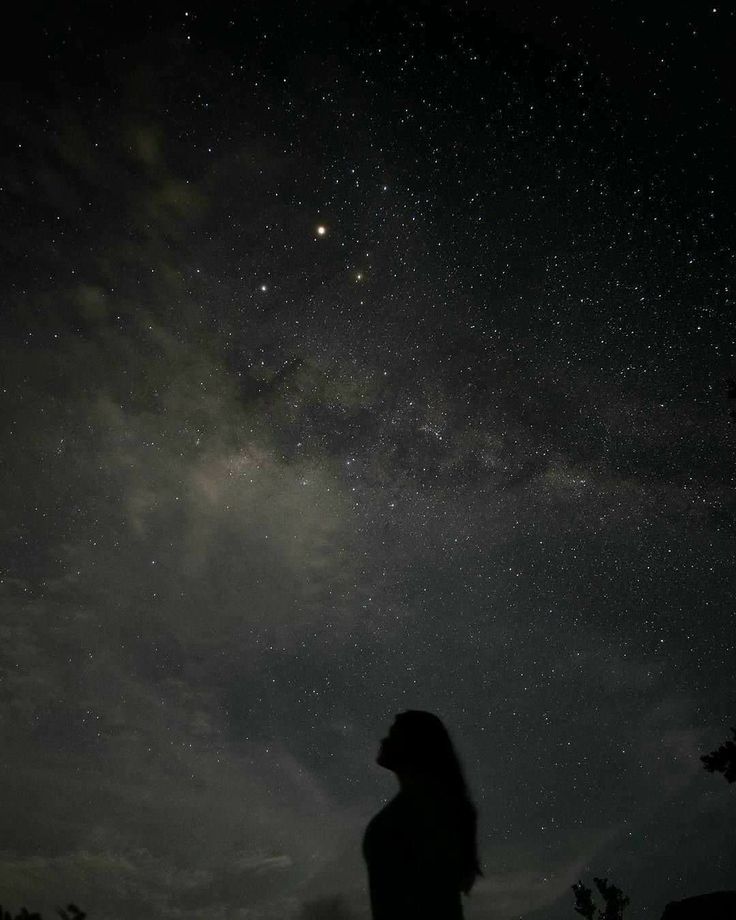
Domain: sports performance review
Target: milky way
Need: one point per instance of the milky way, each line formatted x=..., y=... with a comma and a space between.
x=357, y=358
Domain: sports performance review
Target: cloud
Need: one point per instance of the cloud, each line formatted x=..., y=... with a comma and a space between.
x=520, y=891
x=139, y=786
x=197, y=555
x=261, y=863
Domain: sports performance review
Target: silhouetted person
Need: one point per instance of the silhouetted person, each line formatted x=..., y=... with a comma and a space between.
x=421, y=850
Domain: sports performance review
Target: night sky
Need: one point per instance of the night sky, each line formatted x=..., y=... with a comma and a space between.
x=359, y=357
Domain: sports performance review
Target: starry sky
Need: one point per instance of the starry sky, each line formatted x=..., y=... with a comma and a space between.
x=359, y=357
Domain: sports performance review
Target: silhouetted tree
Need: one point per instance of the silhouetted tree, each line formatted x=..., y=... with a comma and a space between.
x=722, y=760
x=731, y=385
x=613, y=898
x=74, y=913
x=584, y=901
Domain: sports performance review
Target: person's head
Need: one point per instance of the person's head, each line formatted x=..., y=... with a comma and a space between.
x=418, y=743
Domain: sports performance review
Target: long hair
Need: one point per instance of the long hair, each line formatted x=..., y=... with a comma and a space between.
x=426, y=746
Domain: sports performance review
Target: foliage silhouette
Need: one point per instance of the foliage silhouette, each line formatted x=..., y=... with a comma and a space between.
x=613, y=898
x=72, y=912
x=722, y=760
x=584, y=901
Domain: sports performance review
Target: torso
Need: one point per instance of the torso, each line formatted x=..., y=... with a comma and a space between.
x=411, y=856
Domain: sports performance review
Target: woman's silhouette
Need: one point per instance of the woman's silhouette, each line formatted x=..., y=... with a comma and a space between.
x=421, y=849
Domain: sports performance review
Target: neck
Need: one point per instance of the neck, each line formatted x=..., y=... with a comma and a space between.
x=415, y=781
